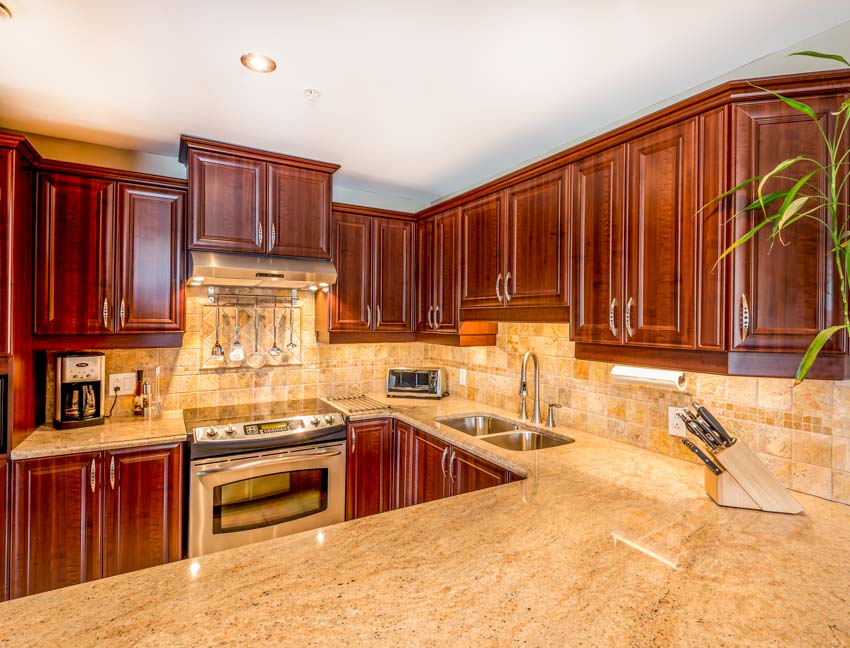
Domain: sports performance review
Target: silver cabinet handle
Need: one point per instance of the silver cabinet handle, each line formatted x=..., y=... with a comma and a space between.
x=236, y=466
x=377, y=316
x=260, y=232
x=443, y=461
x=105, y=312
x=274, y=236
x=451, y=469
x=507, y=292
x=92, y=477
x=629, y=330
x=437, y=322
x=122, y=312
x=745, y=317
x=368, y=316
x=112, y=472
x=353, y=441
x=498, y=292
x=612, y=325
x=430, y=323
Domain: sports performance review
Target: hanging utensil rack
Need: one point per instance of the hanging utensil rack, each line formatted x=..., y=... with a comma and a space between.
x=243, y=299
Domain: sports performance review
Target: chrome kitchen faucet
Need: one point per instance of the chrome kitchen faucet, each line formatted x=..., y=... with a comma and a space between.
x=523, y=388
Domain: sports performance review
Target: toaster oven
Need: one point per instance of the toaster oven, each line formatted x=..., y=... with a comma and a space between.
x=417, y=383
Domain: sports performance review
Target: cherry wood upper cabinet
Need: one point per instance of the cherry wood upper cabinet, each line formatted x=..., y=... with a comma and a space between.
x=392, y=244
x=482, y=252
x=369, y=468
x=74, y=262
x=257, y=202
x=446, y=265
x=150, y=259
x=351, y=295
x=56, y=523
x=782, y=294
x=228, y=202
x=537, y=243
x=661, y=237
x=425, y=275
x=4, y=537
x=598, y=184
x=299, y=206
x=142, y=508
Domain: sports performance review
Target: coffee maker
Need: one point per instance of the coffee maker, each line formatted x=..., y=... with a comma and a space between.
x=80, y=389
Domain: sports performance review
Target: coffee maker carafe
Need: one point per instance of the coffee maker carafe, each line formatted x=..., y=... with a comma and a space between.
x=80, y=389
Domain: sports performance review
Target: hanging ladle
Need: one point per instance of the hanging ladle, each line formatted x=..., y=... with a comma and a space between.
x=275, y=350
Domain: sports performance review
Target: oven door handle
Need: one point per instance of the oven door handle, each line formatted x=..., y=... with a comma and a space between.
x=268, y=462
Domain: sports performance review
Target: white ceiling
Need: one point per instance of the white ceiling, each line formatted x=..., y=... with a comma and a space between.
x=419, y=100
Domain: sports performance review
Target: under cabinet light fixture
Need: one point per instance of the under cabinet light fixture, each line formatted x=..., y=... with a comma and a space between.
x=660, y=378
x=258, y=62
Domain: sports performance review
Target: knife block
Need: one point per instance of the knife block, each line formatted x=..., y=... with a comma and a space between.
x=746, y=483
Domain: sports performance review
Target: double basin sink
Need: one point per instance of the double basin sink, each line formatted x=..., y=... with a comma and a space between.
x=503, y=433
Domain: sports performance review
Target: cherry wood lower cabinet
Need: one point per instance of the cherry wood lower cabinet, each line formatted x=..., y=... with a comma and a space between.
x=76, y=518
x=4, y=520
x=369, y=468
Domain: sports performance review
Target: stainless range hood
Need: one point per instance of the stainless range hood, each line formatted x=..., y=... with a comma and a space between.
x=258, y=271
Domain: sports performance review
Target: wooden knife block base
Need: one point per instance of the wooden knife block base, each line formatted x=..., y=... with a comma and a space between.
x=747, y=483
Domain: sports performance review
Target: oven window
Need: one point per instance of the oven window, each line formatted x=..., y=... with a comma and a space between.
x=268, y=500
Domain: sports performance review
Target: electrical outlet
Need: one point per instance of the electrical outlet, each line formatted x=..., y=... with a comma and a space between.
x=675, y=425
x=125, y=382
x=462, y=377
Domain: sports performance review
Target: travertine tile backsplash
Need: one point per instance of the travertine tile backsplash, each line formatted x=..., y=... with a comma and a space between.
x=802, y=433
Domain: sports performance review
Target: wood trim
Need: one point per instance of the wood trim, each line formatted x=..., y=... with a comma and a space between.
x=363, y=337
x=361, y=210
x=107, y=341
x=23, y=146
x=457, y=339
x=190, y=142
x=796, y=85
x=544, y=314
x=75, y=168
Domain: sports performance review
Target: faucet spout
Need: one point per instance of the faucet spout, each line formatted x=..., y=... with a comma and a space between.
x=523, y=388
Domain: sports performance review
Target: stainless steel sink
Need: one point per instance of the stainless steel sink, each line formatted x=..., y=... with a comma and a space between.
x=479, y=425
x=524, y=440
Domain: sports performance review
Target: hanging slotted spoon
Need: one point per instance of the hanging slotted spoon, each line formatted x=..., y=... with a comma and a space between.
x=291, y=344
x=275, y=350
x=237, y=353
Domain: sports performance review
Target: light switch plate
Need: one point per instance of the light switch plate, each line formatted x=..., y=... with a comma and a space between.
x=675, y=425
x=126, y=383
x=462, y=377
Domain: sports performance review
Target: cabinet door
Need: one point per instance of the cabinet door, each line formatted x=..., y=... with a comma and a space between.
x=470, y=473
x=7, y=206
x=4, y=520
x=537, y=242
x=227, y=196
x=402, y=472
x=351, y=295
x=447, y=271
x=482, y=252
x=74, y=264
x=661, y=237
x=142, y=508
x=150, y=259
x=425, y=275
x=597, y=240
x=427, y=469
x=56, y=536
x=791, y=290
x=299, y=205
x=369, y=468
x=393, y=275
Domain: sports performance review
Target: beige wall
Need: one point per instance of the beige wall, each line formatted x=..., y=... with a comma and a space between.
x=802, y=433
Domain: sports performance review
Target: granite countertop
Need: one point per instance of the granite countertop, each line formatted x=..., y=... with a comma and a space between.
x=603, y=544
x=126, y=432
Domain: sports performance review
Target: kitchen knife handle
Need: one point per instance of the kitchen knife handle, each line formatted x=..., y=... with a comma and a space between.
x=711, y=434
x=697, y=431
x=713, y=467
x=714, y=424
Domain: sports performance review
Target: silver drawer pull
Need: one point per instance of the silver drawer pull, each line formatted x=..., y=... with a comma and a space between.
x=377, y=316
x=105, y=312
x=112, y=473
x=443, y=460
x=437, y=322
x=612, y=326
x=353, y=441
x=629, y=330
x=507, y=291
x=430, y=323
x=451, y=468
x=745, y=317
x=260, y=233
x=498, y=291
x=267, y=462
x=92, y=476
x=274, y=235
x=368, y=316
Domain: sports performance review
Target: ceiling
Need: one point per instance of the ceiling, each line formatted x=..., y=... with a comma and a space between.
x=418, y=100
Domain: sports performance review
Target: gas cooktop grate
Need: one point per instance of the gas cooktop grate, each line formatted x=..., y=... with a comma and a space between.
x=361, y=404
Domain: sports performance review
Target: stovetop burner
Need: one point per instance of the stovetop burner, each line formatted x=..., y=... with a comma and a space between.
x=218, y=431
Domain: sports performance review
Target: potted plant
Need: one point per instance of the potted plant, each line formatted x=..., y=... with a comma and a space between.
x=801, y=198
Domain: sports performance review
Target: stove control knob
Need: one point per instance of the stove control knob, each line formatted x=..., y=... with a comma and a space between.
x=315, y=420
x=329, y=418
x=212, y=433
x=230, y=430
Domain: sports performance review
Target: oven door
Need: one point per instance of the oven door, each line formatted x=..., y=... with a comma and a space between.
x=239, y=500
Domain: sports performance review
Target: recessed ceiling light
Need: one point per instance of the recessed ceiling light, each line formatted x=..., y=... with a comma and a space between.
x=258, y=62
x=5, y=12
x=311, y=93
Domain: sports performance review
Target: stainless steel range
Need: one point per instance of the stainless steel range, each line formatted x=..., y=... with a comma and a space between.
x=263, y=471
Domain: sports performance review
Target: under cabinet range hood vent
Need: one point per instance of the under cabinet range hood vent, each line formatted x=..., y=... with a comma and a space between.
x=258, y=271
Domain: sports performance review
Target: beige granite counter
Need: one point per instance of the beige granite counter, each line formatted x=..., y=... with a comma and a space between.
x=118, y=433
x=603, y=544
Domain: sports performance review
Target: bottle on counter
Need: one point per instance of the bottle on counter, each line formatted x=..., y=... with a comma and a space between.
x=138, y=401
x=147, y=410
